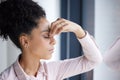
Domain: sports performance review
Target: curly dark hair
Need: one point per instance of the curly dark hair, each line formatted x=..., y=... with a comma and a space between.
x=17, y=17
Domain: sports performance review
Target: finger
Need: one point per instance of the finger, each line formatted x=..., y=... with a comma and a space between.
x=59, y=30
x=62, y=28
x=55, y=27
x=59, y=20
x=64, y=23
x=53, y=31
x=58, y=23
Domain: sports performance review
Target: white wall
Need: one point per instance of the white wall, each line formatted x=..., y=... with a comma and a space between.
x=9, y=52
x=12, y=52
x=3, y=54
x=107, y=29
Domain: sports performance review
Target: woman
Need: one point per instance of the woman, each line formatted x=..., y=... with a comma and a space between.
x=24, y=22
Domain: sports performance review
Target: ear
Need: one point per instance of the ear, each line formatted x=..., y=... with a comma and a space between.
x=24, y=40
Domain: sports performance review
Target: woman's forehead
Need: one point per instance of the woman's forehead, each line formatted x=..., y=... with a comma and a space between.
x=43, y=25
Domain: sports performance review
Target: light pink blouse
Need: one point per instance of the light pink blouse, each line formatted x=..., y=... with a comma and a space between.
x=59, y=70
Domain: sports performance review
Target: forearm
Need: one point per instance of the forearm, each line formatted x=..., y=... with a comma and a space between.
x=90, y=49
x=91, y=58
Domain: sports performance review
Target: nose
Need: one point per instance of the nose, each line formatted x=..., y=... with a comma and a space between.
x=52, y=41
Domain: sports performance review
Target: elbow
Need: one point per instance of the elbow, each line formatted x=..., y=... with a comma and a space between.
x=98, y=60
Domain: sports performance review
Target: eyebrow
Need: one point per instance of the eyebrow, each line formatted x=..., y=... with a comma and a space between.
x=47, y=29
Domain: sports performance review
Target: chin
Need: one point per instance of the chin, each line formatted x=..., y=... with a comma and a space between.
x=48, y=57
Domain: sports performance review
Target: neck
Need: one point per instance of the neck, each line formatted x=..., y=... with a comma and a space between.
x=29, y=64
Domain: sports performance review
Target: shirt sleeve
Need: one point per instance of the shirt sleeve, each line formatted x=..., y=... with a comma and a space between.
x=112, y=56
x=70, y=67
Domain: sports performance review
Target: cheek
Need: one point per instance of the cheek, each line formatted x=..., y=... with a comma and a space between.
x=39, y=44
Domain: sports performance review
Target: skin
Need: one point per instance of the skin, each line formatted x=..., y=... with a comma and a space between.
x=40, y=43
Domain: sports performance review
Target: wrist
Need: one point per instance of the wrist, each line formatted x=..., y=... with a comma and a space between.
x=80, y=33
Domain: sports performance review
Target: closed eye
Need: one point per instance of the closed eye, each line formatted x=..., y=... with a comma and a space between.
x=46, y=35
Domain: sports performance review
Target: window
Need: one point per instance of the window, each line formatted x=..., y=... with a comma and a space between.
x=73, y=10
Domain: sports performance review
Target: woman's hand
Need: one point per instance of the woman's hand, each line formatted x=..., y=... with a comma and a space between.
x=63, y=25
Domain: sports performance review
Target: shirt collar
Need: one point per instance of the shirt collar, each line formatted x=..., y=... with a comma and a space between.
x=43, y=69
x=22, y=75
x=19, y=71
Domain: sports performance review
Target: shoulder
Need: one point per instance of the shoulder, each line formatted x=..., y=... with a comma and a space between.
x=8, y=74
x=60, y=63
x=49, y=65
x=52, y=63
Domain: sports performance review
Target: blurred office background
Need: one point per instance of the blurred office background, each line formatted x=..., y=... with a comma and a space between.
x=99, y=17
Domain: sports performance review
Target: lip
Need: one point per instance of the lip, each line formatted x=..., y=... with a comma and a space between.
x=51, y=50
